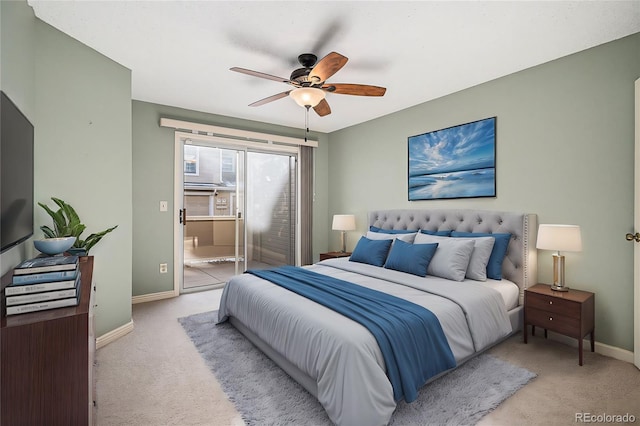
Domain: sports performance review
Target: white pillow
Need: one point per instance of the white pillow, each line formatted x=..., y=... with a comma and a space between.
x=451, y=258
x=408, y=238
x=477, y=269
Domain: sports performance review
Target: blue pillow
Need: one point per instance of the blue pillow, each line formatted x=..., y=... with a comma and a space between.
x=411, y=258
x=438, y=233
x=499, y=251
x=391, y=231
x=373, y=252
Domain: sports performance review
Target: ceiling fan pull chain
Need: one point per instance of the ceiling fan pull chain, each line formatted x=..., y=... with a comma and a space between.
x=306, y=123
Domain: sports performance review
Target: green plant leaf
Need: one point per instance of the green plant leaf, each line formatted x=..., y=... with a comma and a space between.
x=48, y=232
x=72, y=217
x=93, y=239
x=47, y=209
x=59, y=221
x=77, y=230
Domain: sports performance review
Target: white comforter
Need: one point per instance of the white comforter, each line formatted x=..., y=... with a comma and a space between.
x=342, y=355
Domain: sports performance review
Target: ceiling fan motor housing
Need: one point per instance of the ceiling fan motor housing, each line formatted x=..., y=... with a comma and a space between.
x=307, y=60
x=301, y=75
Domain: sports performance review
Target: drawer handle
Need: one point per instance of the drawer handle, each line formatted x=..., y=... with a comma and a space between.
x=551, y=302
x=550, y=318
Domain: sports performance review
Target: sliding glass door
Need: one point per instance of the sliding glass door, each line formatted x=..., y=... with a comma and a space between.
x=271, y=209
x=213, y=210
x=239, y=211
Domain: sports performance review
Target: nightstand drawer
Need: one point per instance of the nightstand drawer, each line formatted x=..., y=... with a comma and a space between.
x=553, y=321
x=567, y=308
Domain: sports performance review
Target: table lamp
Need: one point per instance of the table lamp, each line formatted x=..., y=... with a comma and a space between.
x=559, y=238
x=342, y=223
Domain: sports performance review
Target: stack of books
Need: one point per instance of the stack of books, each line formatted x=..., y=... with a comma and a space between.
x=43, y=283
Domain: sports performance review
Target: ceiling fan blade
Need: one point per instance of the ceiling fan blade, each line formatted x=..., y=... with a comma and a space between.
x=322, y=108
x=261, y=75
x=326, y=67
x=355, y=89
x=271, y=99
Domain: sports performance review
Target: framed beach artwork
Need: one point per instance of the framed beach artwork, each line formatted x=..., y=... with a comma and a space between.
x=456, y=162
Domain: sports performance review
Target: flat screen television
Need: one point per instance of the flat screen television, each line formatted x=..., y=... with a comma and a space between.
x=16, y=175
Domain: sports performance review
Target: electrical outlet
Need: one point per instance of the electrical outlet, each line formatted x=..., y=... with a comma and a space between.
x=163, y=268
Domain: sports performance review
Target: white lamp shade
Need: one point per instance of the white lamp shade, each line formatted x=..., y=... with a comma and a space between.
x=559, y=237
x=344, y=222
x=307, y=96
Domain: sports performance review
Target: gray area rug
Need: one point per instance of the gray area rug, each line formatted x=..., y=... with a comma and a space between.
x=265, y=395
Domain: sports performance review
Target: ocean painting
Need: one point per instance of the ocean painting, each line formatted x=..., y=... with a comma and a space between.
x=457, y=162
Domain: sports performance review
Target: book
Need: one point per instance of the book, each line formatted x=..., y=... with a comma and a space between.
x=12, y=289
x=45, y=277
x=44, y=296
x=42, y=306
x=47, y=264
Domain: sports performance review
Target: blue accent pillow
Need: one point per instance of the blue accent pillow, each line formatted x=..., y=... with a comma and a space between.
x=373, y=252
x=391, y=231
x=410, y=258
x=438, y=233
x=499, y=251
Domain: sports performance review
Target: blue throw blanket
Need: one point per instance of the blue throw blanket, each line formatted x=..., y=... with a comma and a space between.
x=410, y=337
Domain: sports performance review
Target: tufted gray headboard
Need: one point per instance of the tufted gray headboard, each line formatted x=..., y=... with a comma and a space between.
x=520, y=263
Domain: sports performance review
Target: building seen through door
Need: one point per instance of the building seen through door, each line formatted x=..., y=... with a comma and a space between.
x=240, y=213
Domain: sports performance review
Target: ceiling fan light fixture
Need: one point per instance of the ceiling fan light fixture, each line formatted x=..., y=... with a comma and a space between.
x=307, y=96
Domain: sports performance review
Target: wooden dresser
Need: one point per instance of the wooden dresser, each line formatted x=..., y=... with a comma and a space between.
x=47, y=362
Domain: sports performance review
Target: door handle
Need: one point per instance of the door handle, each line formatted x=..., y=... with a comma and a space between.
x=633, y=237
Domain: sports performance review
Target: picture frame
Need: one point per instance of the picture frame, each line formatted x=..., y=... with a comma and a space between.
x=455, y=162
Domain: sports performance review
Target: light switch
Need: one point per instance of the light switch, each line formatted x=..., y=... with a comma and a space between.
x=163, y=206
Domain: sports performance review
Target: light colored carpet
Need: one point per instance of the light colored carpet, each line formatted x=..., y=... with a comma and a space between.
x=154, y=376
x=266, y=395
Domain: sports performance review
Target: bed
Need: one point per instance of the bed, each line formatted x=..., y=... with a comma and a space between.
x=337, y=359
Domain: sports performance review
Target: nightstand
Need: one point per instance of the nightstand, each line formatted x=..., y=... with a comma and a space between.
x=571, y=313
x=334, y=255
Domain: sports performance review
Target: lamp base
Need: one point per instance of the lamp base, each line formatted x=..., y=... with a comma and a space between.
x=558, y=273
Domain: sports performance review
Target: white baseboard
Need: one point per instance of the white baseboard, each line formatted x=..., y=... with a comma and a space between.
x=114, y=335
x=601, y=348
x=614, y=352
x=153, y=296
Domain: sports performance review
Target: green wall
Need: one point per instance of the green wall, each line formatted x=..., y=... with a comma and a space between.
x=153, y=181
x=565, y=148
x=80, y=104
x=83, y=155
x=17, y=55
x=17, y=76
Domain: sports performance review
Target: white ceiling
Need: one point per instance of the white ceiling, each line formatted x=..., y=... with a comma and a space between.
x=180, y=52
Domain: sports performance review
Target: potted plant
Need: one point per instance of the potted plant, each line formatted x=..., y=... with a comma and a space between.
x=66, y=223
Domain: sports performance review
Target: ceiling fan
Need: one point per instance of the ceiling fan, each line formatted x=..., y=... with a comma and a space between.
x=310, y=83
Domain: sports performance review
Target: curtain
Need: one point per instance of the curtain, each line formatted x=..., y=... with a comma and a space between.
x=306, y=204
